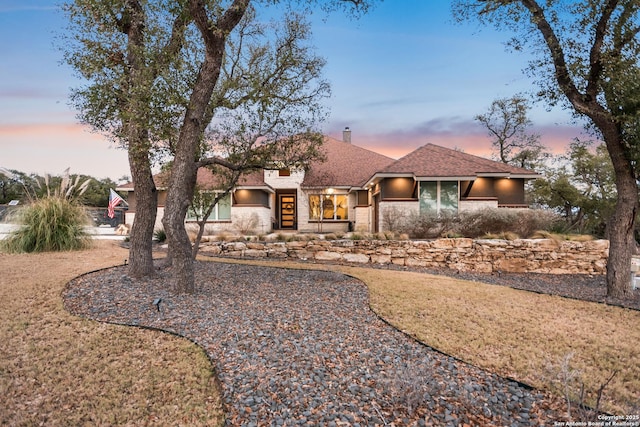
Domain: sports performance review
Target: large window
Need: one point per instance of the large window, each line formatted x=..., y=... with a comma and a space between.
x=201, y=202
x=328, y=207
x=438, y=196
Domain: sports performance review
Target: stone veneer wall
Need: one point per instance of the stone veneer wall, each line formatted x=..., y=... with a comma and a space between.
x=524, y=255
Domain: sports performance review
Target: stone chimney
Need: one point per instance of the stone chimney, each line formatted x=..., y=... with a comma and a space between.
x=346, y=135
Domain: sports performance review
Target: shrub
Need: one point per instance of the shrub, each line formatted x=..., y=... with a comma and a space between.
x=393, y=218
x=499, y=223
x=481, y=222
x=428, y=225
x=246, y=224
x=50, y=224
x=528, y=222
x=159, y=235
x=505, y=235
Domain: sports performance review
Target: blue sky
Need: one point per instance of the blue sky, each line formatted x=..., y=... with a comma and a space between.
x=402, y=76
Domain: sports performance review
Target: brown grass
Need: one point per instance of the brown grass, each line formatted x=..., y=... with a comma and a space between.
x=517, y=334
x=57, y=369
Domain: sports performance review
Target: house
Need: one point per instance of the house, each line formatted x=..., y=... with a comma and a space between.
x=353, y=189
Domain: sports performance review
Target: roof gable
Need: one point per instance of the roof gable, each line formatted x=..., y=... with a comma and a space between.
x=432, y=160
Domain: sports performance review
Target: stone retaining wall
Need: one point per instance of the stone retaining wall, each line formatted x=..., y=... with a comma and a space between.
x=524, y=255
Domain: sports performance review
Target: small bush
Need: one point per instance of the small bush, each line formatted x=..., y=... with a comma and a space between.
x=428, y=225
x=481, y=222
x=246, y=224
x=529, y=221
x=160, y=235
x=393, y=218
x=50, y=224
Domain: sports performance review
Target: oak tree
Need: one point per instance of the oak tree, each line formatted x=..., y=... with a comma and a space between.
x=508, y=123
x=154, y=85
x=586, y=57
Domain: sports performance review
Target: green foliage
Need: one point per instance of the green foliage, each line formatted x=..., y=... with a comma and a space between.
x=49, y=224
x=159, y=235
x=55, y=220
x=582, y=190
x=16, y=185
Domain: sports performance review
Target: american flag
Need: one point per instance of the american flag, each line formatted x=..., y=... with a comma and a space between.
x=114, y=200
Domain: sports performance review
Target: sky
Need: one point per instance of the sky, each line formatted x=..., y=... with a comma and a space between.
x=402, y=76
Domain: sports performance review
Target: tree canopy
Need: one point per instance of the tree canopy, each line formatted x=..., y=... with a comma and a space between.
x=586, y=58
x=508, y=124
x=161, y=73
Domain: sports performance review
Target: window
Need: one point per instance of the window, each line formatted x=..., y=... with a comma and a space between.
x=438, y=196
x=328, y=207
x=284, y=172
x=201, y=202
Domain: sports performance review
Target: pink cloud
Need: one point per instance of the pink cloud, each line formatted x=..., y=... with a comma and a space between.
x=464, y=135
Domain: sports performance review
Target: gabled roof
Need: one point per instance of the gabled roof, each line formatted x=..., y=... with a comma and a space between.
x=346, y=165
x=435, y=161
x=206, y=180
x=349, y=166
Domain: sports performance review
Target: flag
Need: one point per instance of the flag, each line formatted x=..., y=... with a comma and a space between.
x=114, y=200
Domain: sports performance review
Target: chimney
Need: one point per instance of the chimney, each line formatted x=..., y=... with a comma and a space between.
x=346, y=135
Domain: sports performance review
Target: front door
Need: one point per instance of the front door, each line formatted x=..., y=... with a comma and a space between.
x=287, y=208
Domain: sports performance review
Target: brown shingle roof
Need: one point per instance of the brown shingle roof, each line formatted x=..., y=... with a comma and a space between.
x=209, y=180
x=346, y=165
x=206, y=179
x=435, y=161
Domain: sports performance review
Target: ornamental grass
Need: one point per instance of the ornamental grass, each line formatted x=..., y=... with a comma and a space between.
x=49, y=224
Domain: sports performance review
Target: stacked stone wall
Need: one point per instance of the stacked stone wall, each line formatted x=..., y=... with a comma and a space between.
x=486, y=256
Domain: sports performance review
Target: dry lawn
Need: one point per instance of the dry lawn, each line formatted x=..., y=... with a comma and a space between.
x=518, y=334
x=57, y=369
x=522, y=335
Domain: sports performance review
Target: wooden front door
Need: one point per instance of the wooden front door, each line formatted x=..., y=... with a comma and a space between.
x=287, y=208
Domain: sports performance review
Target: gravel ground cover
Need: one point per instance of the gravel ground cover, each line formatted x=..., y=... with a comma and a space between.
x=296, y=347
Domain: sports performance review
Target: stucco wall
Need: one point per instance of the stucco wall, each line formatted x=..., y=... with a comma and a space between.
x=524, y=255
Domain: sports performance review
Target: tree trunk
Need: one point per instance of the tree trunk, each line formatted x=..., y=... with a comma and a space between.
x=139, y=146
x=141, y=249
x=184, y=172
x=179, y=195
x=622, y=223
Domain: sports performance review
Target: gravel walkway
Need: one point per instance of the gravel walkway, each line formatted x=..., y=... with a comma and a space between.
x=294, y=347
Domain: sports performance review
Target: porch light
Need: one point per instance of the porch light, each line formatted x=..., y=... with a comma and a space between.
x=329, y=190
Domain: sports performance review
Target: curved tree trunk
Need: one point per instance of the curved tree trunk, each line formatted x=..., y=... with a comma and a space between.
x=179, y=195
x=184, y=171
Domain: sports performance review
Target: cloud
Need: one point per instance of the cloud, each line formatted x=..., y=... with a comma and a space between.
x=452, y=132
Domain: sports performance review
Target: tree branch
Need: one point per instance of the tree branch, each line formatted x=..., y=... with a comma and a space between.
x=595, y=54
